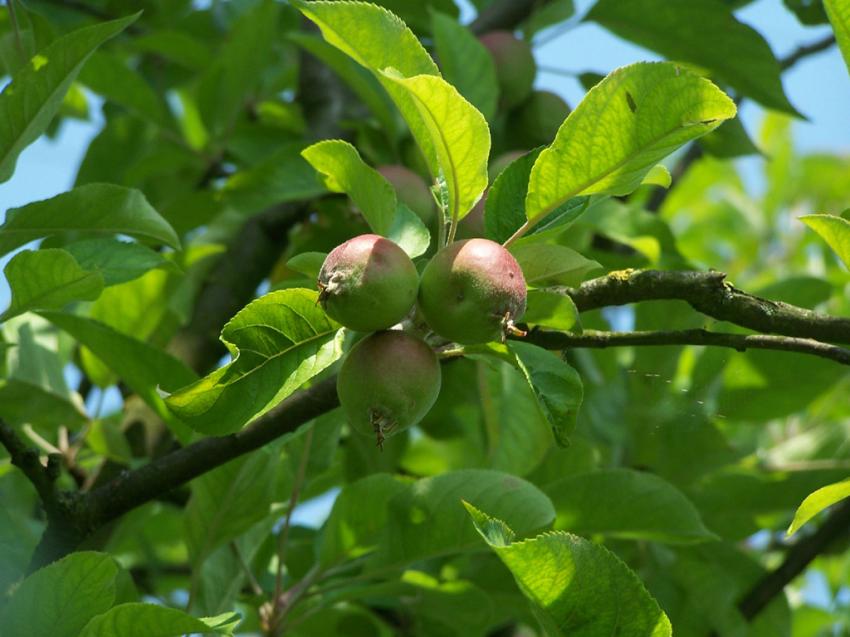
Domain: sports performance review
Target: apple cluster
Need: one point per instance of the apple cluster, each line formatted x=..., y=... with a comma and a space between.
x=470, y=292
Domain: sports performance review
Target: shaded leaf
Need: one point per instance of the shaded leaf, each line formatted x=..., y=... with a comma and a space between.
x=59, y=599
x=427, y=519
x=628, y=504
x=48, y=279
x=577, y=588
x=147, y=620
x=29, y=102
x=117, y=261
x=89, y=209
x=466, y=63
x=142, y=367
x=556, y=385
x=358, y=517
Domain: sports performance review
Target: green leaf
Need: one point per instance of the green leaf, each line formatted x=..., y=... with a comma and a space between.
x=307, y=263
x=283, y=176
x=452, y=134
x=658, y=175
x=35, y=391
x=371, y=35
x=149, y=620
x=552, y=264
x=357, y=518
x=671, y=107
x=547, y=15
x=466, y=63
x=577, y=588
x=48, y=279
x=730, y=139
x=456, y=131
x=700, y=32
x=143, y=368
x=835, y=231
x=344, y=171
x=556, y=385
x=427, y=519
x=58, y=600
x=504, y=209
x=278, y=342
x=817, y=502
x=409, y=232
x=29, y=102
x=232, y=78
x=118, y=261
x=838, y=12
x=108, y=75
x=552, y=309
x=89, y=209
x=627, y=504
x=228, y=500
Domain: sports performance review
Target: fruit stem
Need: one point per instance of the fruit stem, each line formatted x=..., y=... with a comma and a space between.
x=516, y=235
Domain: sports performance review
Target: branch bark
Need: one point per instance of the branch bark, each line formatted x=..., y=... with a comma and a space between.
x=160, y=476
x=740, y=342
x=710, y=294
x=835, y=527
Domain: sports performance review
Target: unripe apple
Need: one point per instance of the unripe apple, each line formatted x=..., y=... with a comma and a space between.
x=368, y=283
x=387, y=383
x=536, y=121
x=472, y=291
x=412, y=191
x=515, y=67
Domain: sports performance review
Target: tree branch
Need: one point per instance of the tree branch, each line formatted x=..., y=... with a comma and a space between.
x=799, y=556
x=804, y=51
x=739, y=342
x=43, y=478
x=134, y=488
x=711, y=294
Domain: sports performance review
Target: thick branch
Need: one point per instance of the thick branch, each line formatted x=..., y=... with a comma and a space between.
x=711, y=294
x=739, y=342
x=836, y=526
x=27, y=460
x=134, y=488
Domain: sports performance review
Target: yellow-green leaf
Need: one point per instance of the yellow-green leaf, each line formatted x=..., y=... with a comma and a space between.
x=817, y=502
x=834, y=230
x=624, y=126
x=839, y=15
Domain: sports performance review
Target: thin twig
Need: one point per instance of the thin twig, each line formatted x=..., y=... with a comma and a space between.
x=806, y=50
x=249, y=574
x=739, y=342
x=798, y=557
x=283, y=538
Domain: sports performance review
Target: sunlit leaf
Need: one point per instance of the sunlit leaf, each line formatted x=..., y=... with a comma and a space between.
x=817, y=502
